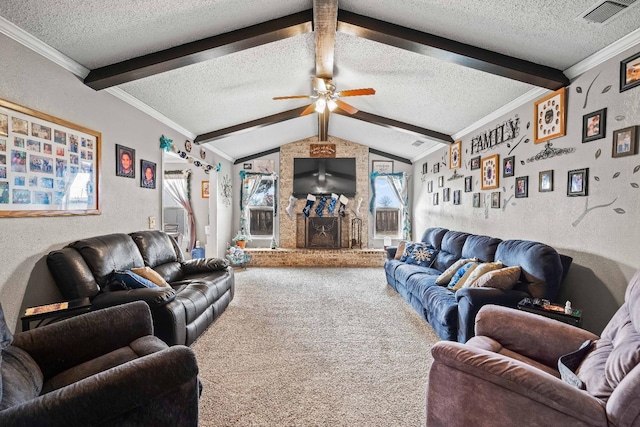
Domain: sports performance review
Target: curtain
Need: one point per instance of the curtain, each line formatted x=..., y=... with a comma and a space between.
x=177, y=184
x=399, y=183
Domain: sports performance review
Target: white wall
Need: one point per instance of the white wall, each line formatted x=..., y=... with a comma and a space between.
x=599, y=231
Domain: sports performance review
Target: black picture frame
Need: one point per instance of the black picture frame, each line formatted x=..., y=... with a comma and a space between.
x=456, y=197
x=468, y=184
x=625, y=142
x=124, y=156
x=435, y=199
x=430, y=186
x=441, y=181
x=522, y=187
x=425, y=168
x=545, y=181
x=578, y=182
x=594, y=125
x=508, y=166
x=476, y=200
x=446, y=194
x=146, y=181
x=630, y=72
x=495, y=200
x=475, y=163
x=436, y=167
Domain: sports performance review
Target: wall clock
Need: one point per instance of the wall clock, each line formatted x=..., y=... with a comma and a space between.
x=549, y=116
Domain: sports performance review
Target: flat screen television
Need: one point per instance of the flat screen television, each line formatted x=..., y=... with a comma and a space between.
x=324, y=176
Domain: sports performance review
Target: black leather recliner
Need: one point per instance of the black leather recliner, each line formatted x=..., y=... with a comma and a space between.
x=200, y=291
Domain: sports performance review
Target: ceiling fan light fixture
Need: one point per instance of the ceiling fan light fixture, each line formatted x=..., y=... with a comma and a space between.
x=320, y=105
x=332, y=104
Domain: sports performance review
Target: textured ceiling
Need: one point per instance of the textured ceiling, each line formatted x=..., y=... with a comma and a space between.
x=236, y=88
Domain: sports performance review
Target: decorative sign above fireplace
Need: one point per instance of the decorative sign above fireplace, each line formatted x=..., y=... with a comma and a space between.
x=322, y=150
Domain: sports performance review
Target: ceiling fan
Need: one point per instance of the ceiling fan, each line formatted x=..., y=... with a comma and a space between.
x=326, y=97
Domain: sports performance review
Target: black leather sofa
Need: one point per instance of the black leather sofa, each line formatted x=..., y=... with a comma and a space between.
x=200, y=290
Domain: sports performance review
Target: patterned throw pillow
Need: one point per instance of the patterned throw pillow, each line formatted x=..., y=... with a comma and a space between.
x=422, y=256
x=400, y=250
x=482, y=269
x=461, y=276
x=505, y=278
x=129, y=280
x=446, y=276
x=408, y=248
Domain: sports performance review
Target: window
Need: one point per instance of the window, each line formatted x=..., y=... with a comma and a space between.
x=388, y=210
x=261, y=210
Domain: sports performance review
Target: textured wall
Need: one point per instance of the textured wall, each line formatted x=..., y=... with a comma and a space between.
x=599, y=230
x=29, y=79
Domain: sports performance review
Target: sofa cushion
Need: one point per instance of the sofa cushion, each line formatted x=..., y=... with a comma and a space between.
x=433, y=236
x=481, y=247
x=129, y=280
x=446, y=276
x=156, y=247
x=21, y=377
x=400, y=249
x=482, y=269
x=450, y=250
x=404, y=271
x=460, y=278
x=151, y=275
x=5, y=341
x=504, y=278
x=422, y=255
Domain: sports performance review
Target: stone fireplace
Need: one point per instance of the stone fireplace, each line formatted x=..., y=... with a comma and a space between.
x=328, y=232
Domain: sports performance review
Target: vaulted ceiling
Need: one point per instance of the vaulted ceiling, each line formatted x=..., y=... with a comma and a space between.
x=211, y=68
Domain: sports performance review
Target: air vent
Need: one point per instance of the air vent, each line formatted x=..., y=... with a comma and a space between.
x=418, y=143
x=604, y=11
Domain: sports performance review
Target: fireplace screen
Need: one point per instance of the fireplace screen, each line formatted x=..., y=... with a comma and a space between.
x=323, y=233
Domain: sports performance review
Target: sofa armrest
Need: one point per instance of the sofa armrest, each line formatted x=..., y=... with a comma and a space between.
x=391, y=252
x=538, y=337
x=471, y=300
x=154, y=297
x=166, y=379
x=68, y=343
x=496, y=383
x=203, y=265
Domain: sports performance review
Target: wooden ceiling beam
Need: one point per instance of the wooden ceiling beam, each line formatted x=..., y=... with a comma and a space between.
x=200, y=50
x=451, y=51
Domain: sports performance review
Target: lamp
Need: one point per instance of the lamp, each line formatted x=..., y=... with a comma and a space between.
x=387, y=242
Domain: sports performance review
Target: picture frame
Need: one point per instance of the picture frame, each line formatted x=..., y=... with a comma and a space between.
x=187, y=146
x=545, y=181
x=430, y=187
x=495, y=200
x=625, y=142
x=125, y=161
x=468, y=184
x=594, y=125
x=425, y=168
x=40, y=157
x=630, y=72
x=476, y=200
x=578, y=182
x=446, y=194
x=475, y=163
x=441, y=181
x=456, y=197
x=508, y=166
x=147, y=174
x=205, y=189
x=455, y=155
x=436, y=168
x=435, y=199
x=490, y=171
x=382, y=166
x=549, y=116
x=522, y=187
x=247, y=166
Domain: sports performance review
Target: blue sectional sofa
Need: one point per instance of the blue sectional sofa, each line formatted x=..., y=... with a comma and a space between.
x=452, y=313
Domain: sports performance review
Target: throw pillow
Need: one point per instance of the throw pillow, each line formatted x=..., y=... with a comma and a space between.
x=129, y=280
x=400, y=250
x=152, y=275
x=458, y=280
x=446, y=276
x=408, y=248
x=482, y=269
x=504, y=278
x=422, y=256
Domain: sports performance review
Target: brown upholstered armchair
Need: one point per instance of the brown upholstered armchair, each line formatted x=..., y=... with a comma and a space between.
x=508, y=373
x=101, y=368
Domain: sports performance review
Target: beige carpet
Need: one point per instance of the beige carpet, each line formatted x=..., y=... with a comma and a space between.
x=314, y=347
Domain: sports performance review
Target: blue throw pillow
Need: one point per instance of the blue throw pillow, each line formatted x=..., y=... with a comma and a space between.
x=422, y=255
x=129, y=280
x=461, y=275
x=408, y=248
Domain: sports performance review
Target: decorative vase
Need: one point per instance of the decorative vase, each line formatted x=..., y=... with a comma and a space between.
x=240, y=243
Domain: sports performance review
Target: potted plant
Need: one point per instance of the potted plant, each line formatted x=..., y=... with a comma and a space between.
x=241, y=239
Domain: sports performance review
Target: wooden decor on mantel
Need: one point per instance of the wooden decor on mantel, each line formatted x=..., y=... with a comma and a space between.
x=322, y=150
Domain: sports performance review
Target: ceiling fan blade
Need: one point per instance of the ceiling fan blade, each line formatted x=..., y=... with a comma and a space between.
x=310, y=109
x=292, y=97
x=319, y=85
x=357, y=92
x=346, y=107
